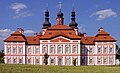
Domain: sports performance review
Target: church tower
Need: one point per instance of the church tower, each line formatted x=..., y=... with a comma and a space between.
x=73, y=23
x=46, y=24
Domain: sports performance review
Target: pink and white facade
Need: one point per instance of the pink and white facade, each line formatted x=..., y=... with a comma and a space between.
x=62, y=43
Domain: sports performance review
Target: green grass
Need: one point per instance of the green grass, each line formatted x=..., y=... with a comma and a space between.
x=7, y=68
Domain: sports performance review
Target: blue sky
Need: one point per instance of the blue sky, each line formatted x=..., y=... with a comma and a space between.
x=29, y=15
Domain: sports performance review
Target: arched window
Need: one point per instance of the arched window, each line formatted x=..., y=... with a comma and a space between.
x=110, y=50
x=59, y=49
x=67, y=49
x=75, y=50
x=45, y=49
x=51, y=49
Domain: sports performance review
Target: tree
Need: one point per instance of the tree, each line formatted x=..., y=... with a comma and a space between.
x=46, y=56
x=74, y=61
x=2, y=56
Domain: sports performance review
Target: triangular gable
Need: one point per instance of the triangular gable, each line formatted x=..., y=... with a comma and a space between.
x=60, y=39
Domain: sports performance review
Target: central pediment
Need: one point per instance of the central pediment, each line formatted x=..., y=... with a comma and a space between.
x=60, y=39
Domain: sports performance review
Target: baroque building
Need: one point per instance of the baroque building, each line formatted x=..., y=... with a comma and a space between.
x=62, y=43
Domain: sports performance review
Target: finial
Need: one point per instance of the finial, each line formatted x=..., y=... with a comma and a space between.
x=73, y=6
x=60, y=5
x=46, y=6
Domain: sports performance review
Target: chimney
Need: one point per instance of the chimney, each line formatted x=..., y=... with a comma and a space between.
x=20, y=30
x=35, y=34
x=99, y=30
x=76, y=31
x=84, y=34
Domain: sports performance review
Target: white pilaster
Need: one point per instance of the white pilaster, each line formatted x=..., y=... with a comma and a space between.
x=40, y=60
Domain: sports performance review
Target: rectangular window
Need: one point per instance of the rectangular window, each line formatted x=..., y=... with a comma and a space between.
x=67, y=61
x=36, y=50
x=52, y=61
x=44, y=49
x=98, y=60
x=104, y=60
x=8, y=60
x=20, y=61
x=8, y=50
x=51, y=49
x=29, y=50
x=14, y=50
x=14, y=61
x=104, y=50
x=83, y=51
x=90, y=51
x=110, y=50
x=111, y=61
x=29, y=61
x=99, y=50
x=20, y=50
x=37, y=61
x=90, y=61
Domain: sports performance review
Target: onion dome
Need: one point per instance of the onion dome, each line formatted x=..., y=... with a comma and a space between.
x=60, y=14
x=46, y=24
x=73, y=23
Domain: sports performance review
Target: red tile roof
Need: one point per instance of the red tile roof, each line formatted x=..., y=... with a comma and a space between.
x=32, y=40
x=60, y=27
x=15, y=39
x=54, y=33
x=16, y=36
x=88, y=40
x=104, y=36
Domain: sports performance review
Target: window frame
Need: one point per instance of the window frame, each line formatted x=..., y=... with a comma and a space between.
x=14, y=50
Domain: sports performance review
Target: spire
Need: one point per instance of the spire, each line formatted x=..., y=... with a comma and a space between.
x=73, y=23
x=60, y=15
x=46, y=24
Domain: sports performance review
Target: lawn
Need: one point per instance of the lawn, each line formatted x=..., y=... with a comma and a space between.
x=4, y=68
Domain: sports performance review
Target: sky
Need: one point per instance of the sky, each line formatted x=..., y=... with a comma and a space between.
x=29, y=15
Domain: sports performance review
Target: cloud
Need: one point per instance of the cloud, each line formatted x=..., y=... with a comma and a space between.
x=4, y=33
x=20, y=10
x=103, y=14
x=18, y=7
x=29, y=31
x=82, y=28
x=23, y=14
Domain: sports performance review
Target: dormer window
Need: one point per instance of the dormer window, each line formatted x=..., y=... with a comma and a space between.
x=50, y=33
x=15, y=37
